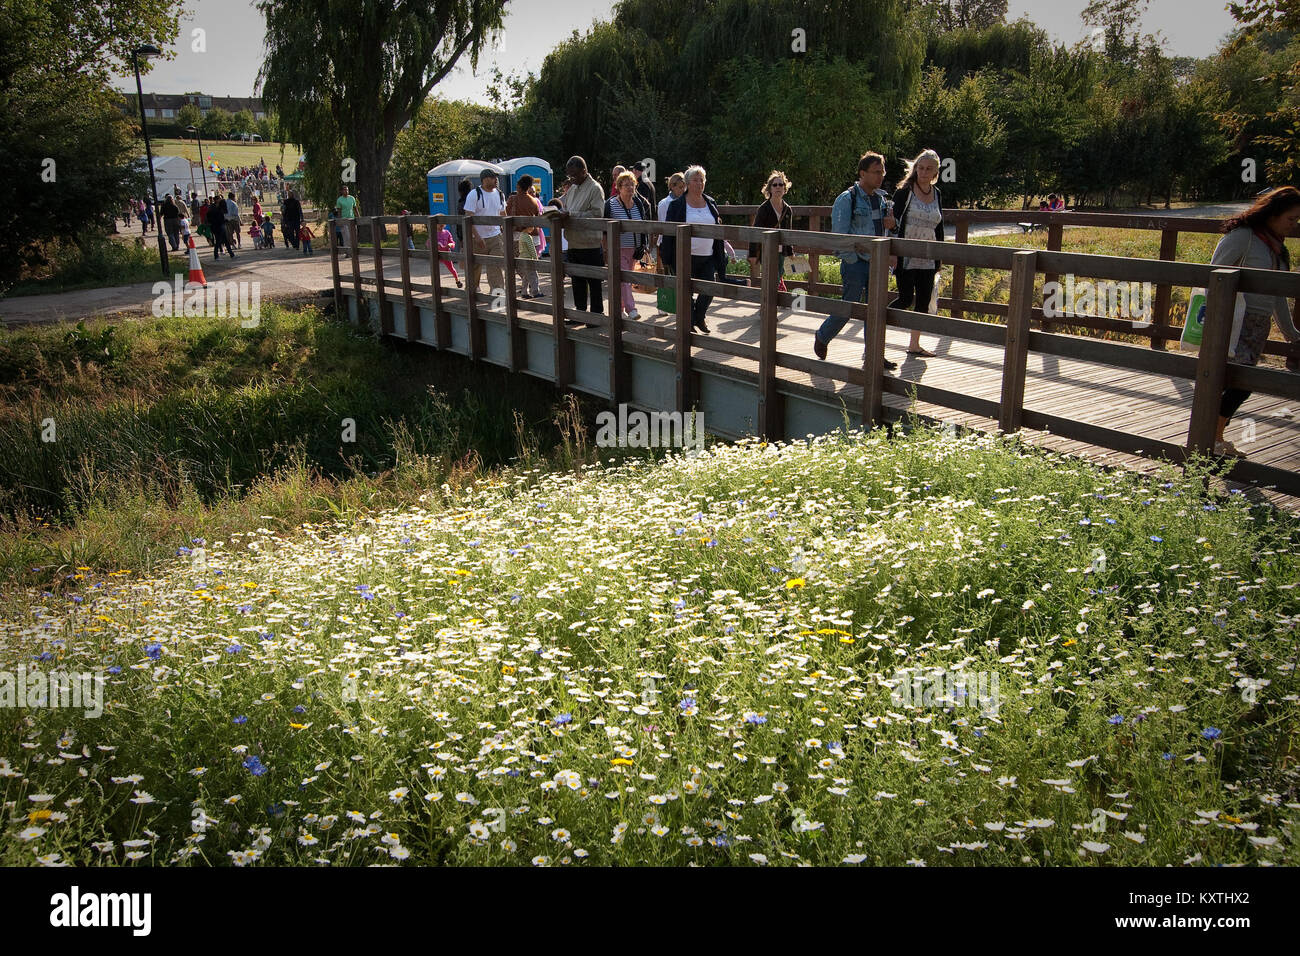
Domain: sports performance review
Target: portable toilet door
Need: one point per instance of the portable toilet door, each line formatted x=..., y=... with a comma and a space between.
x=540, y=170
x=444, y=182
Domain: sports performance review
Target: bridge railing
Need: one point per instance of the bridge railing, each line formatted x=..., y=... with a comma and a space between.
x=1162, y=327
x=1209, y=370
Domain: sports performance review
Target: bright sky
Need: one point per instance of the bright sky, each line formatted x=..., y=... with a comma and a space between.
x=234, y=31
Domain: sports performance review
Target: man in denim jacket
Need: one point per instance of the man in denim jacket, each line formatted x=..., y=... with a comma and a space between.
x=860, y=210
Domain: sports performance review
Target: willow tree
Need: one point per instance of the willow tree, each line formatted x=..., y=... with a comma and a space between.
x=344, y=76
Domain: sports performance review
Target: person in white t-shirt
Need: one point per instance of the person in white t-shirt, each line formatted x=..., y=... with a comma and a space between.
x=486, y=200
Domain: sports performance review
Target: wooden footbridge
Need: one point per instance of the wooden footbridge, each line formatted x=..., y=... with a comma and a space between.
x=756, y=374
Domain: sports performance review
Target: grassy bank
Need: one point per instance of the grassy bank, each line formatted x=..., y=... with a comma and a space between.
x=120, y=443
x=97, y=262
x=701, y=661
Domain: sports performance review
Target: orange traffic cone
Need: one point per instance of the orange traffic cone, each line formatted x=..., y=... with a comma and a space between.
x=196, y=271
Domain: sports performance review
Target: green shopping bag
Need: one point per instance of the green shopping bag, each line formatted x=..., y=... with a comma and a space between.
x=666, y=300
x=1194, y=327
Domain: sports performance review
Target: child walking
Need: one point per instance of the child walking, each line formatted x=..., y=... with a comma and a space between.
x=446, y=244
x=305, y=236
x=268, y=232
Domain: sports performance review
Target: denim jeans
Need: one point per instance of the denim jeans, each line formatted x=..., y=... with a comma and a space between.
x=853, y=276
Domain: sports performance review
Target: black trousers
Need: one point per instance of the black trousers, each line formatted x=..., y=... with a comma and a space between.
x=706, y=268
x=291, y=233
x=221, y=238
x=915, y=286
x=581, y=284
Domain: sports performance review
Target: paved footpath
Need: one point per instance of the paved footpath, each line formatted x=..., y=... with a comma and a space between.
x=283, y=274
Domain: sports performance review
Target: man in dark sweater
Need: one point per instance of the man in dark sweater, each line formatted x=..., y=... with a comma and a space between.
x=217, y=222
x=645, y=189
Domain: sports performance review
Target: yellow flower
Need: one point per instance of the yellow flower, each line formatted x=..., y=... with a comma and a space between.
x=507, y=669
x=1069, y=642
x=298, y=726
x=794, y=583
x=38, y=815
x=621, y=762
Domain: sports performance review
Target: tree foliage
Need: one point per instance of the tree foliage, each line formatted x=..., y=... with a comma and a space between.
x=377, y=62
x=69, y=153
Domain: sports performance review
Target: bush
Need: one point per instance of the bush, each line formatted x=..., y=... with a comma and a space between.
x=97, y=260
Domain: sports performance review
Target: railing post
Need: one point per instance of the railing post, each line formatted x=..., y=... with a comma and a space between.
x=512, y=309
x=873, y=356
x=334, y=270
x=404, y=259
x=683, y=318
x=1211, y=362
x=1054, y=231
x=1160, y=308
x=959, y=272
x=471, y=287
x=441, y=317
x=354, y=245
x=613, y=238
x=377, y=233
x=1015, y=356
x=563, y=350
x=814, y=258
x=770, y=424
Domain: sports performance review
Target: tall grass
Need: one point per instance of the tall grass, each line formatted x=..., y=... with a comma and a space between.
x=119, y=443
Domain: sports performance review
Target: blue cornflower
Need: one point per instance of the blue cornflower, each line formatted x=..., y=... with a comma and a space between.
x=154, y=651
x=275, y=810
x=712, y=544
x=979, y=733
x=115, y=669
x=1211, y=733
x=1166, y=756
x=45, y=655
x=679, y=604
x=199, y=541
x=757, y=719
x=234, y=649
x=516, y=598
x=265, y=636
x=300, y=709
x=1117, y=719
x=182, y=551
x=686, y=703
x=564, y=719
x=1085, y=521
x=241, y=719
x=255, y=766
x=1157, y=539
x=1110, y=521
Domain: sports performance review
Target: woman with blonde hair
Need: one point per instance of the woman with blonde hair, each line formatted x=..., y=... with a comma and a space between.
x=920, y=216
x=774, y=213
x=676, y=186
x=1256, y=239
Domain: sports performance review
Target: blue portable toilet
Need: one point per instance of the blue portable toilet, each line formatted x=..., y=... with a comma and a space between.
x=444, y=182
x=533, y=166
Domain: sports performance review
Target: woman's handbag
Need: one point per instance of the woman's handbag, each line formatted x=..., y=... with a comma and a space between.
x=640, y=266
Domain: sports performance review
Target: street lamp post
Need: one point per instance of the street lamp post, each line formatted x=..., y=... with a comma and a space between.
x=203, y=167
x=150, y=50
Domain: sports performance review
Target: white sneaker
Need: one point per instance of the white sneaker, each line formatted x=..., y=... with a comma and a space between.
x=631, y=315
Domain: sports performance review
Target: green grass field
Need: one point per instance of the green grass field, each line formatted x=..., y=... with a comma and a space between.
x=230, y=153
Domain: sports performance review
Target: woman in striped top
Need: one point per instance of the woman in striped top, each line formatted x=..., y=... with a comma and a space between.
x=628, y=204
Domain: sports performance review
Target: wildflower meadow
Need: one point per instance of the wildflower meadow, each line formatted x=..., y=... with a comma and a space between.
x=704, y=659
